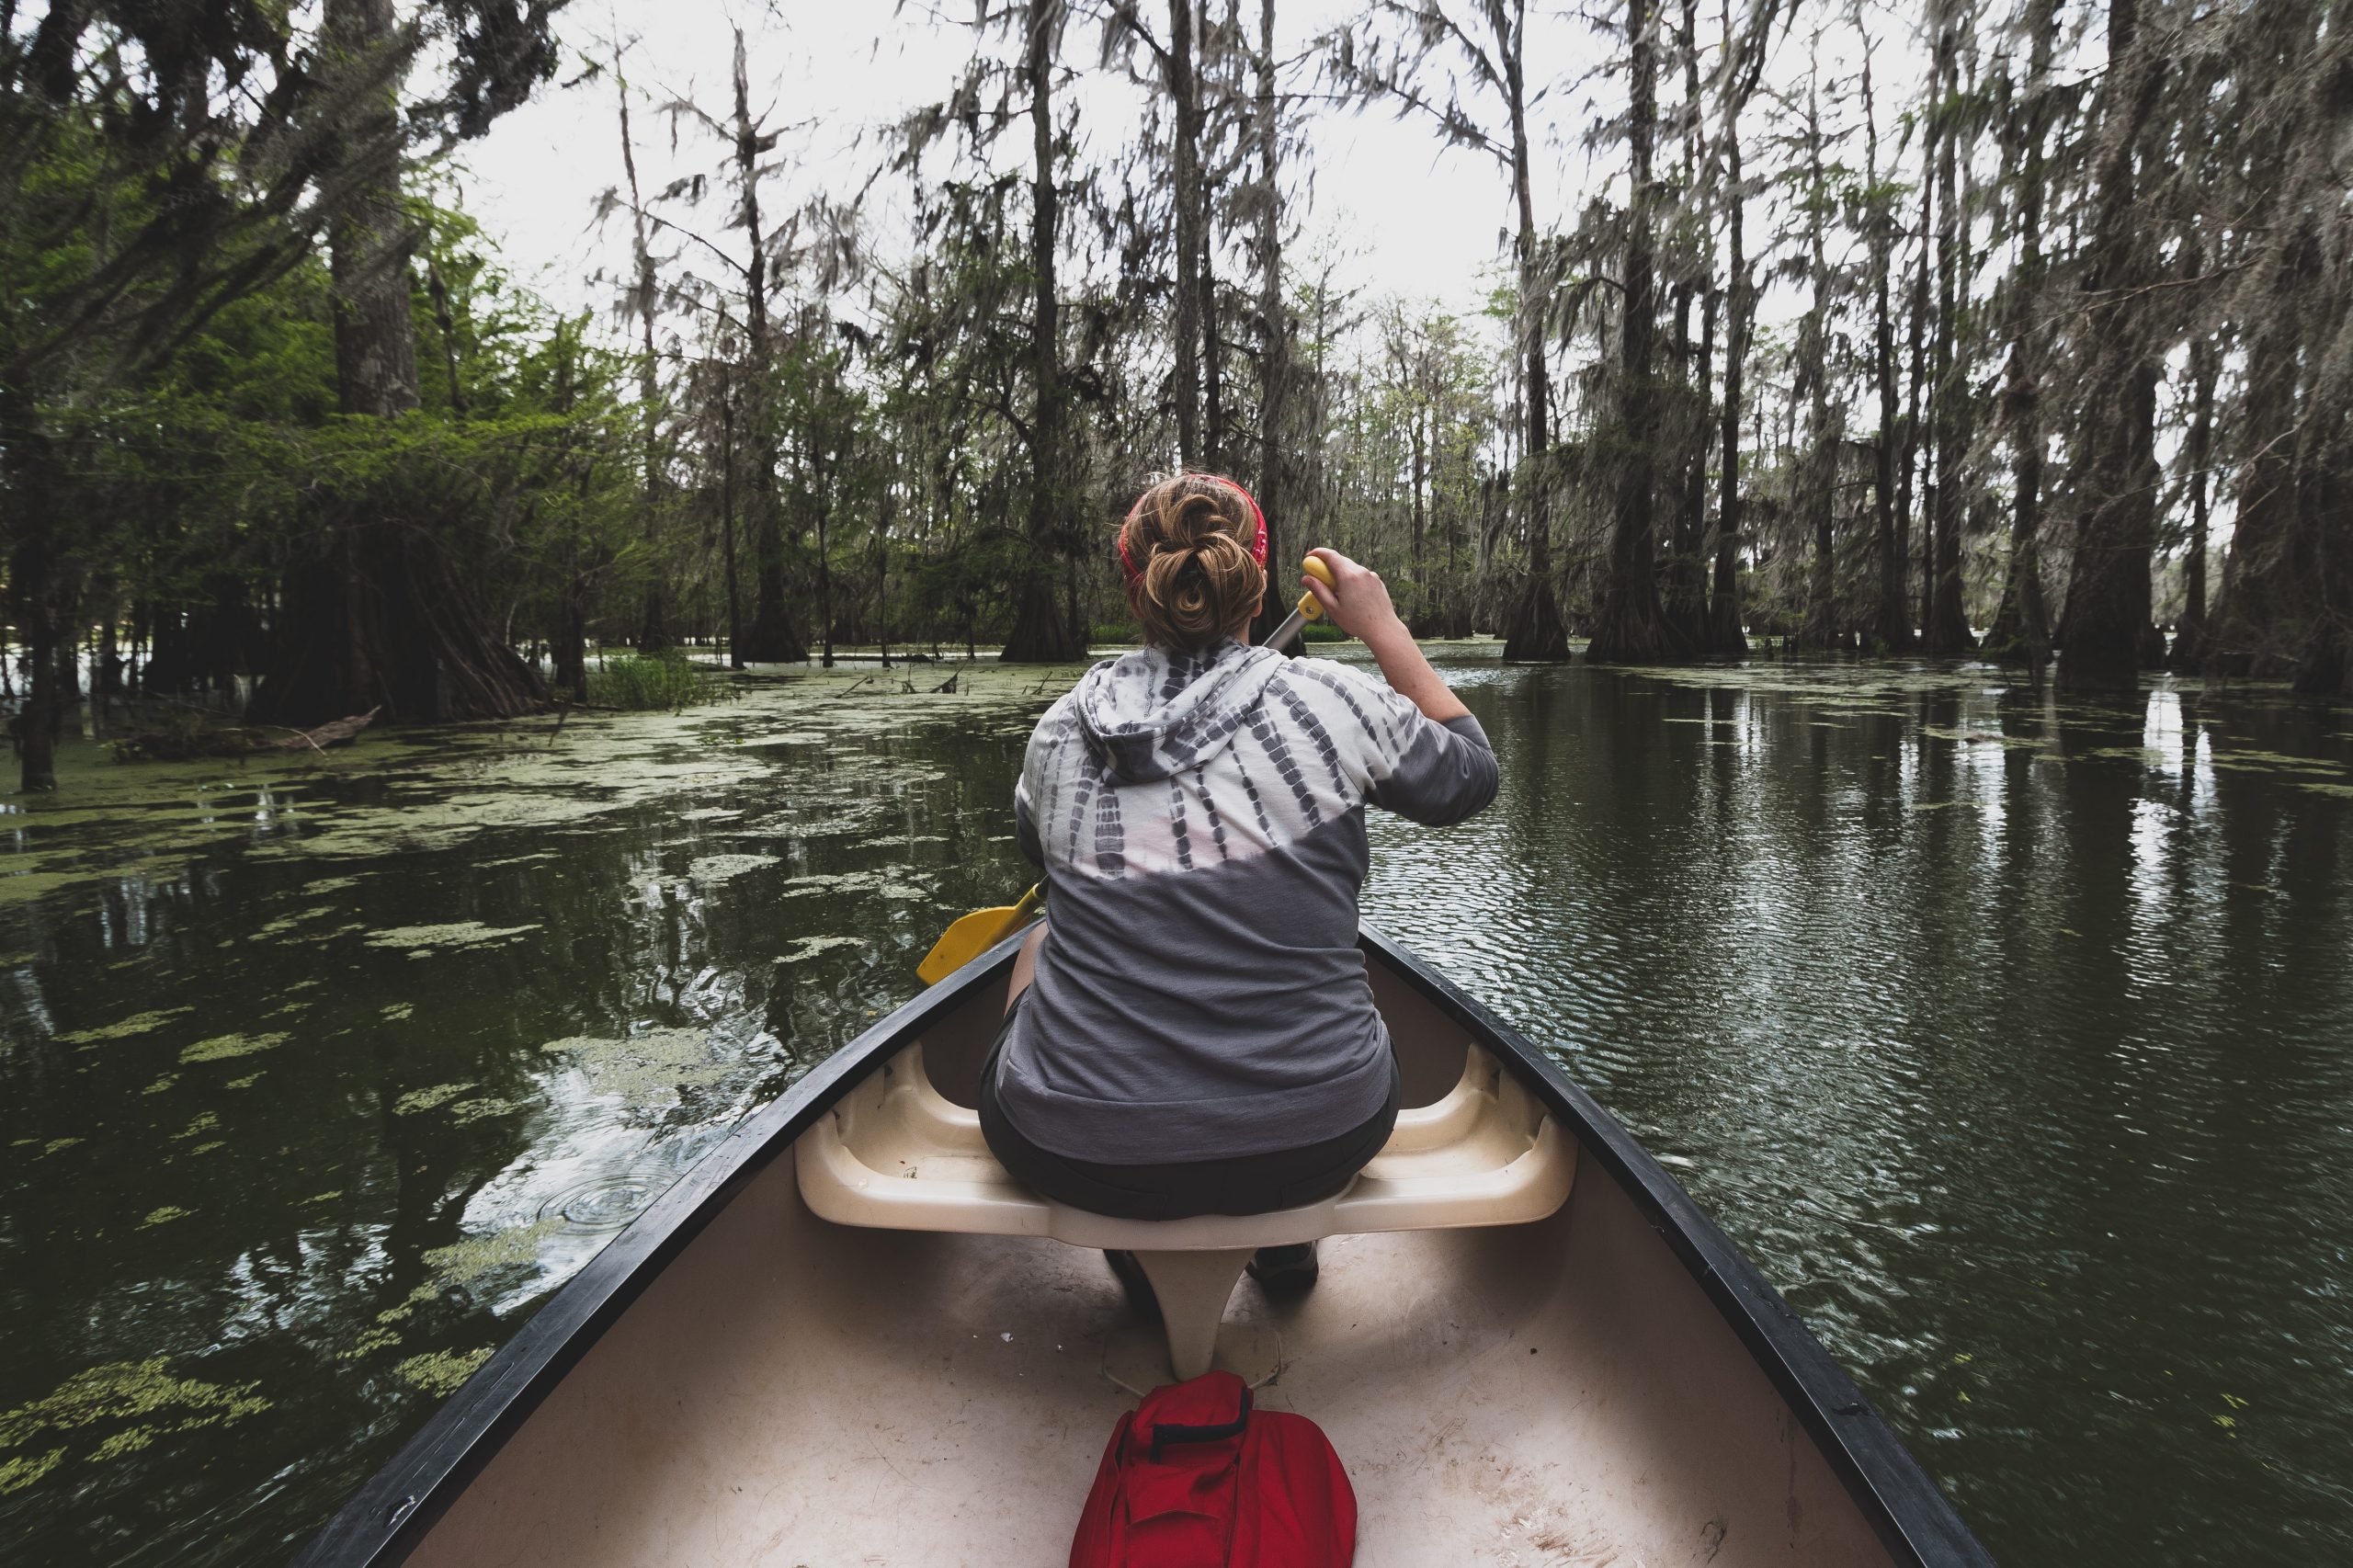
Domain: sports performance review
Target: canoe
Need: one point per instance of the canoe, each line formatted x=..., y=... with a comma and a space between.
x=736, y=1379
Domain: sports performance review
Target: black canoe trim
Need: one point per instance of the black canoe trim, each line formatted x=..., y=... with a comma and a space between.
x=381, y=1524
x=1915, y=1521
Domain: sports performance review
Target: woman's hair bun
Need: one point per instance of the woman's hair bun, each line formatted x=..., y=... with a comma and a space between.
x=1190, y=538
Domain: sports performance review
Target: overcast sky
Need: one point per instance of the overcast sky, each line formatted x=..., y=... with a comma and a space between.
x=1410, y=215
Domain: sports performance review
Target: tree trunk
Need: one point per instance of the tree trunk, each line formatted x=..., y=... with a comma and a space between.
x=1686, y=596
x=1909, y=464
x=727, y=516
x=1274, y=337
x=1823, y=432
x=1891, y=620
x=824, y=593
x=1042, y=633
x=1533, y=630
x=569, y=649
x=1212, y=377
x=2274, y=617
x=1629, y=627
x=384, y=618
x=772, y=638
x=2188, y=651
x=2324, y=673
x=1683, y=590
x=2021, y=629
x=2108, y=594
x=369, y=239
x=1421, y=615
x=886, y=508
x=653, y=628
x=1946, y=627
x=2261, y=576
x=39, y=584
x=1183, y=92
x=1724, y=632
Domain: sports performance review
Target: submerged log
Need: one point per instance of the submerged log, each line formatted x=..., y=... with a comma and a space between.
x=334, y=734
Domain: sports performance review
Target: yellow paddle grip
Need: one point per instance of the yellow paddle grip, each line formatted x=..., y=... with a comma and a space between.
x=1309, y=606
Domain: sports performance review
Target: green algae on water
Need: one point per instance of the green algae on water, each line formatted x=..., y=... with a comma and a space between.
x=137, y=1024
x=642, y=1066
x=369, y=1343
x=286, y=923
x=221, y=1048
x=719, y=868
x=468, y=1263
x=138, y=1400
x=417, y=1100
x=536, y=855
x=418, y=941
x=1986, y=738
x=442, y=1372
x=466, y=1111
x=164, y=1216
x=810, y=947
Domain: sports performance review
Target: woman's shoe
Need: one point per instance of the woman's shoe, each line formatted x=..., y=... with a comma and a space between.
x=1132, y=1278
x=1285, y=1271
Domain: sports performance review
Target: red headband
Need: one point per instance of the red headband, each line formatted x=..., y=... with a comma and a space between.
x=1258, y=543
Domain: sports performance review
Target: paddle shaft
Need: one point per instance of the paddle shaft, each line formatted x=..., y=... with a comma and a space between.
x=1308, y=607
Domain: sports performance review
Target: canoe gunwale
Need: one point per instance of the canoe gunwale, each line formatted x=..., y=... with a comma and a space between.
x=390, y=1514
x=1913, y=1519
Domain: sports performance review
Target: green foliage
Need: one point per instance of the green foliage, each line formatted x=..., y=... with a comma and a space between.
x=663, y=681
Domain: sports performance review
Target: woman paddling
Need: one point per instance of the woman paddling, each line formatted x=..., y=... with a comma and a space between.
x=1190, y=1030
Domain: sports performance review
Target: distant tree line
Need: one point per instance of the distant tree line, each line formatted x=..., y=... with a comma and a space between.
x=2046, y=327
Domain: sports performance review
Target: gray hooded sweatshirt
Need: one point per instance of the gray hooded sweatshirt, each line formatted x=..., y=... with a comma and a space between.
x=1200, y=819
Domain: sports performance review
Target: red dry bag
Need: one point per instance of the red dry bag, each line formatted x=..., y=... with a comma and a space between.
x=1195, y=1478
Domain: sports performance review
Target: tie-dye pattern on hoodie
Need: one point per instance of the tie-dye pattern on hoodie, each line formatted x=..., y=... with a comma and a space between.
x=1200, y=818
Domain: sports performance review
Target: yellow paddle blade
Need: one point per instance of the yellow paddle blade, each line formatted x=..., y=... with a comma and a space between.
x=973, y=935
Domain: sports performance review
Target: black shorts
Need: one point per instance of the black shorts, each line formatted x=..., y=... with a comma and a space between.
x=1242, y=1184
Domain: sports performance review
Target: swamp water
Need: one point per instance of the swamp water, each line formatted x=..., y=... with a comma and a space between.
x=2013, y=1039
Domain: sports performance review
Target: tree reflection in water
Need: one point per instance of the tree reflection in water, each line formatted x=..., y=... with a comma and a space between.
x=2008, y=1034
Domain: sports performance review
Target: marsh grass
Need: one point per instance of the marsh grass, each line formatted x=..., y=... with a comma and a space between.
x=646, y=682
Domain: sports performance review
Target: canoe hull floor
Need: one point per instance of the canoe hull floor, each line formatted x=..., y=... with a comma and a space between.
x=787, y=1391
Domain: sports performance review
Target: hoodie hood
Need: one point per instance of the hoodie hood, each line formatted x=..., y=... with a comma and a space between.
x=1154, y=713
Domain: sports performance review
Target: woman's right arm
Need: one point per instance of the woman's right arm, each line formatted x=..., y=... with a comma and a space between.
x=1445, y=770
x=1357, y=602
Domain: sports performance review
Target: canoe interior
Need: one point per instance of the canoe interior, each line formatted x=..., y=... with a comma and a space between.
x=791, y=1392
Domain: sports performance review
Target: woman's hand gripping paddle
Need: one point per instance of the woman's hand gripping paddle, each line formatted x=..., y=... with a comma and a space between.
x=976, y=933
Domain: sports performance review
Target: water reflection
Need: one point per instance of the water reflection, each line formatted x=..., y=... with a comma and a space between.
x=302, y=1123
x=2007, y=1034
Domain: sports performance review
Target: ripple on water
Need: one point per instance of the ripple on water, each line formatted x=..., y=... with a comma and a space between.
x=606, y=1203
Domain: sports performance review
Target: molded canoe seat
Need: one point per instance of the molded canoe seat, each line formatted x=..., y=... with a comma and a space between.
x=895, y=1154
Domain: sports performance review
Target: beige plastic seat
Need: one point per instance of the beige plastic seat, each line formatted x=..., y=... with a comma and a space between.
x=896, y=1154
